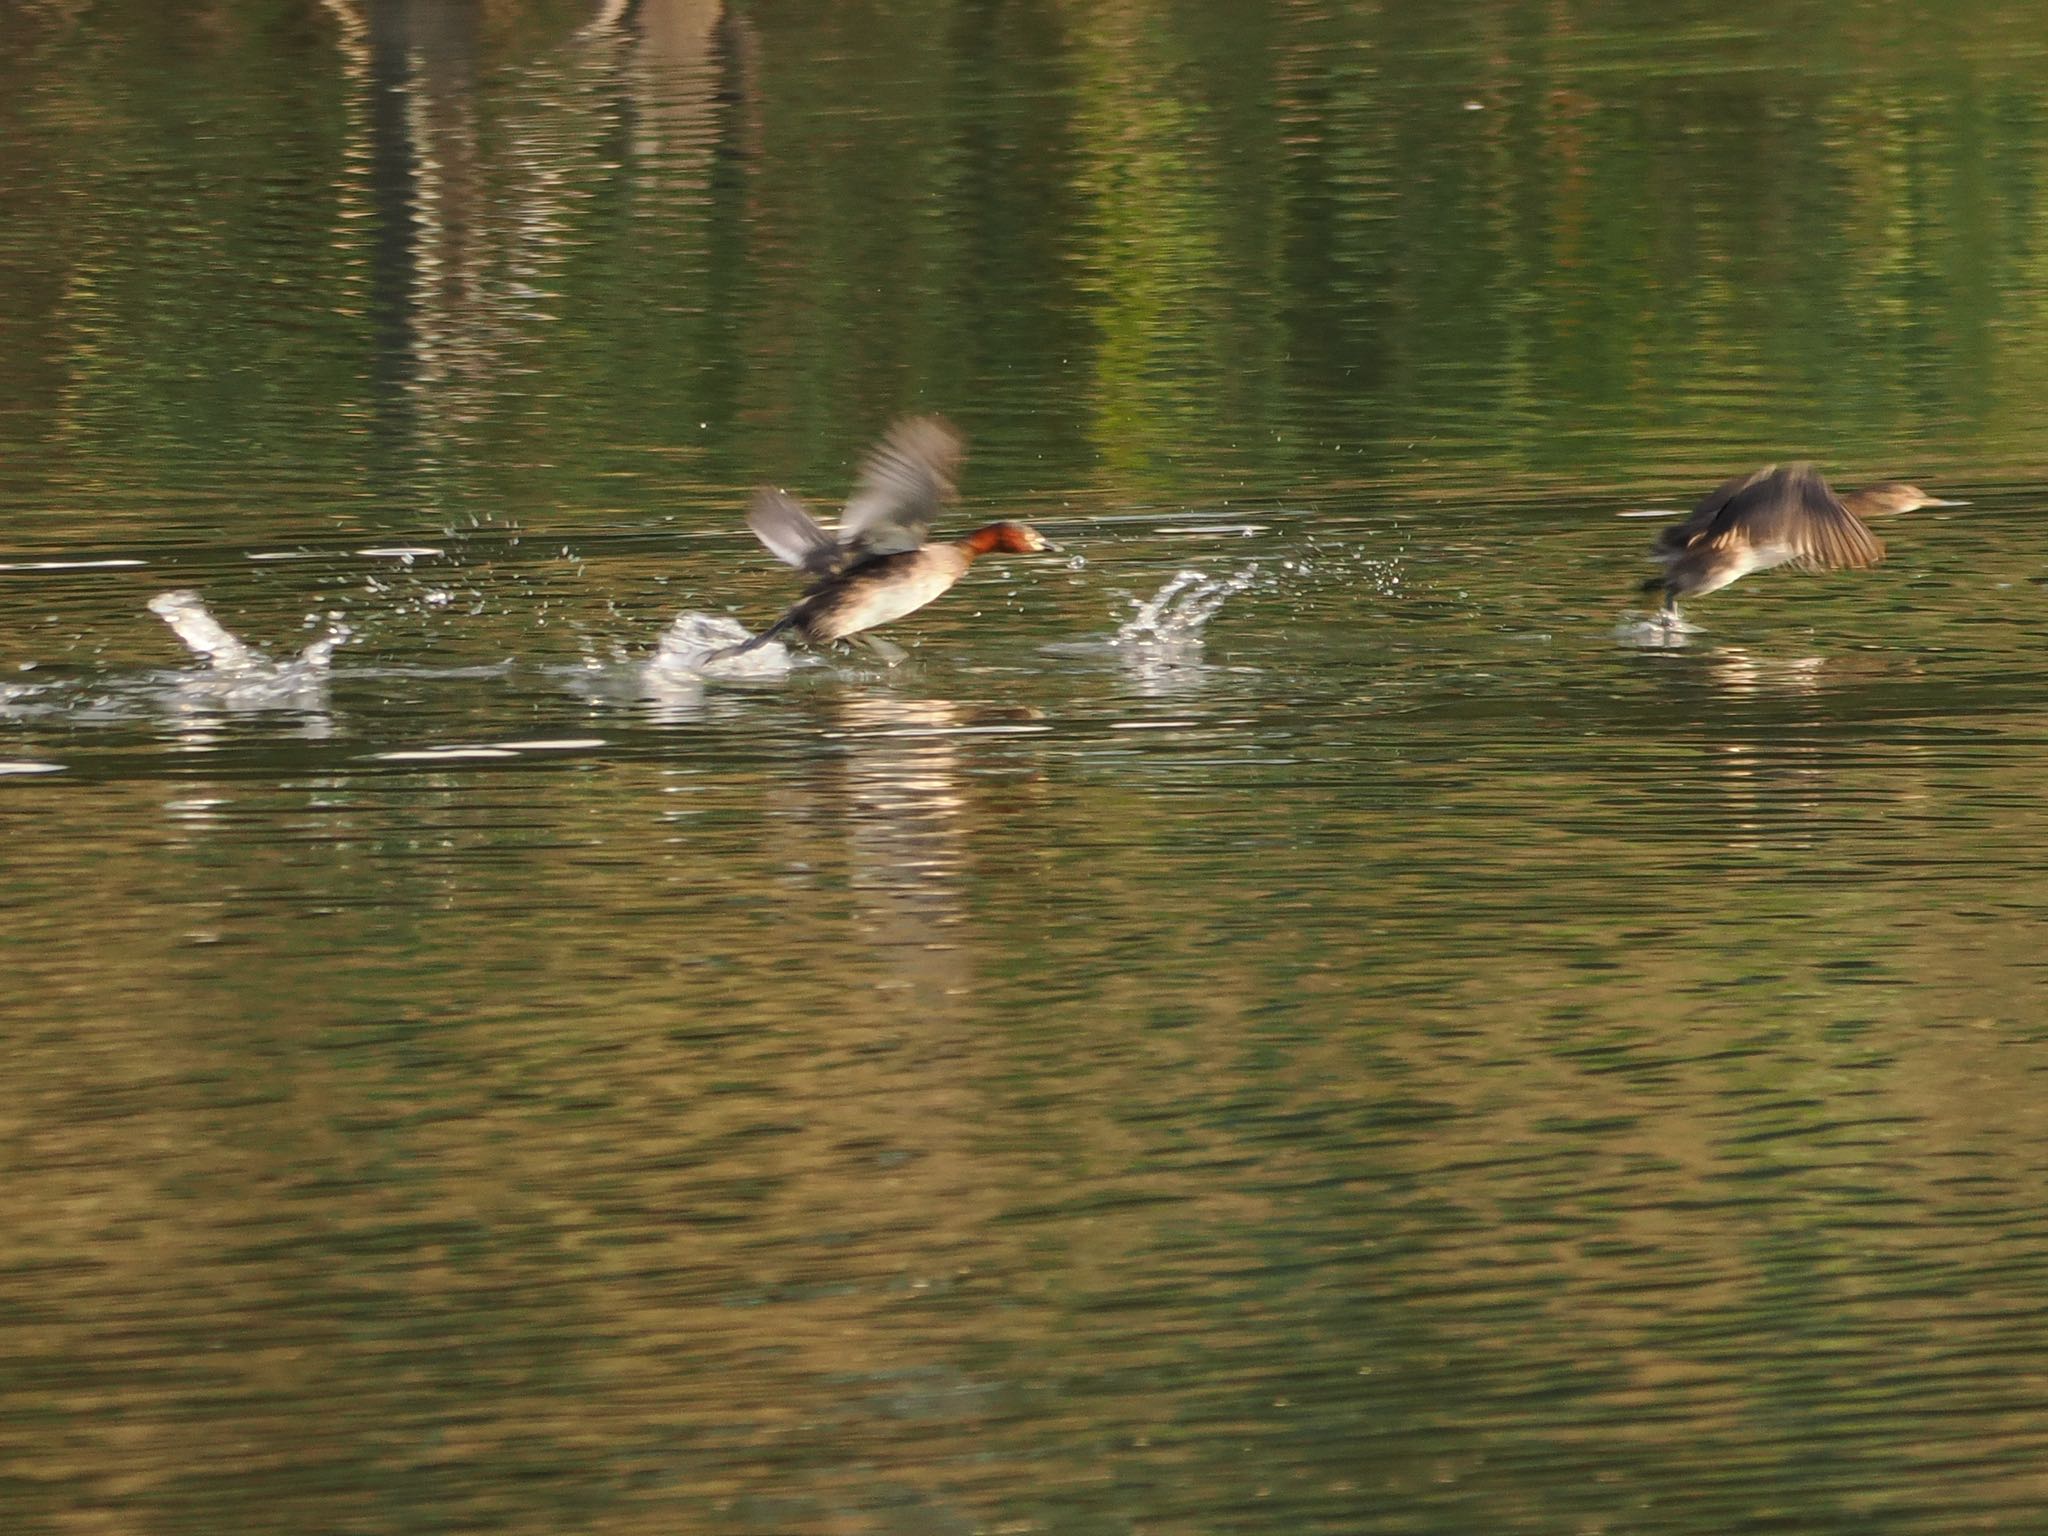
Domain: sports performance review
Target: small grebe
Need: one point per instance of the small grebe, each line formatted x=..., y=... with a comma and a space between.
x=1774, y=517
x=876, y=566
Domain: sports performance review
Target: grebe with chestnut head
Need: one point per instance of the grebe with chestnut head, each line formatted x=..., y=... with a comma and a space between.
x=1775, y=516
x=876, y=567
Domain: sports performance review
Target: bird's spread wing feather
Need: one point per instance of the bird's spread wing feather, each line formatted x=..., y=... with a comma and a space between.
x=904, y=482
x=1700, y=521
x=1793, y=509
x=791, y=534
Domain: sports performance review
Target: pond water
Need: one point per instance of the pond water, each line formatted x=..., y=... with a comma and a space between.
x=1276, y=1019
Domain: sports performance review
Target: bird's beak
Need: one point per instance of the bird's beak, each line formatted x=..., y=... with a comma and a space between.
x=1936, y=501
x=1051, y=548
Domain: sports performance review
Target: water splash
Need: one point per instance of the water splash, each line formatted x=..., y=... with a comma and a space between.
x=698, y=645
x=239, y=675
x=319, y=655
x=1658, y=631
x=1160, y=644
x=1178, y=612
x=203, y=634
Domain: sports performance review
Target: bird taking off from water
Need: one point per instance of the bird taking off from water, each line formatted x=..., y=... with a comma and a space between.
x=1775, y=516
x=876, y=566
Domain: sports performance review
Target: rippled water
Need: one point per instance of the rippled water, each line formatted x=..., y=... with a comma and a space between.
x=1278, y=1018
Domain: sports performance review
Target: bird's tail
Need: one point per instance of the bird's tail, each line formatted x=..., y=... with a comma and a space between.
x=785, y=623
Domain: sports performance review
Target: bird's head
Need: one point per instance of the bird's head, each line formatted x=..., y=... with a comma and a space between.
x=1891, y=497
x=1008, y=538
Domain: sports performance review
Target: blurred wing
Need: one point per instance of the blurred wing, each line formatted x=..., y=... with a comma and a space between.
x=902, y=485
x=1700, y=521
x=1793, y=509
x=1711, y=504
x=791, y=534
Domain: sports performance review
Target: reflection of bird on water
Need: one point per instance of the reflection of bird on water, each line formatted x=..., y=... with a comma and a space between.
x=1775, y=516
x=905, y=808
x=897, y=805
x=876, y=566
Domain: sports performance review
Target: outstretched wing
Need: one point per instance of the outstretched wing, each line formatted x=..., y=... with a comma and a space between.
x=1700, y=521
x=904, y=482
x=791, y=534
x=1793, y=509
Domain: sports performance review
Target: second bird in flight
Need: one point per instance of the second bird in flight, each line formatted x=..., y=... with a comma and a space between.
x=1775, y=516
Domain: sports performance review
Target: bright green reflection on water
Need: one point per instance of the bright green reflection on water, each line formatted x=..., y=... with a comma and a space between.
x=472, y=257
x=1412, y=1066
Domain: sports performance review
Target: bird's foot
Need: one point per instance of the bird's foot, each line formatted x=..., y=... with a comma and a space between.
x=887, y=653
